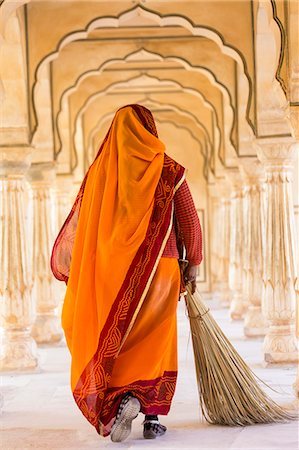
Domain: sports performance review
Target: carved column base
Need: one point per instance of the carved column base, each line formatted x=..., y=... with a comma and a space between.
x=255, y=323
x=237, y=307
x=280, y=345
x=47, y=329
x=225, y=298
x=223, y=294
x=19, y=351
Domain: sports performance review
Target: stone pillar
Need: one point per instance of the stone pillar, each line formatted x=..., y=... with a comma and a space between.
x=236, y=255
x=64, y=198
x=255, y=324
x=245, y=231
x=218, y=231
x=64, y=202
x=18, y=349
x=223, y=241
x=294, y=113
x=214, y=202
x=280, y=292
x=46, y=328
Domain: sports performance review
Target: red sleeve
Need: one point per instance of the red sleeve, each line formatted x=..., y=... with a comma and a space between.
x=189, y=224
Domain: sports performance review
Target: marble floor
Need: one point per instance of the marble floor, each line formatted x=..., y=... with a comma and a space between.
x=39, y=413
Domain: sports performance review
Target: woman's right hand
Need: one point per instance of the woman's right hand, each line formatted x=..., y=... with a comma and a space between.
x=190, y=277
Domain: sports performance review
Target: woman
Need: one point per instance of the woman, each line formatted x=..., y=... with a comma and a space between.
x=118, y=254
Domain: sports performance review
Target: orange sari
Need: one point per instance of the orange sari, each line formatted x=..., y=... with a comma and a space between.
x=121, y=296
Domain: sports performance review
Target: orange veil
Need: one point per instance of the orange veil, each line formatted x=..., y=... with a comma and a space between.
x=109, y=248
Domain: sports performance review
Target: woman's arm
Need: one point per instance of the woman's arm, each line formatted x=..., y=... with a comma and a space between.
x=190, y=230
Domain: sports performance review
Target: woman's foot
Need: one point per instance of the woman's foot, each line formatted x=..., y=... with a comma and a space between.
x=128, y=410
x=152, y=427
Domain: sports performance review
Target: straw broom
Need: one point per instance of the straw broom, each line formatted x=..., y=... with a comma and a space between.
x=228, y=389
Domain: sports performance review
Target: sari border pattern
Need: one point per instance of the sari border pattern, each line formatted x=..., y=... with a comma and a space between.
x=154, y=395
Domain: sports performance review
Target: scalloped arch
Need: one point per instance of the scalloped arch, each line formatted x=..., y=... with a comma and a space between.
x=165, y=20
x=205, y=149
x=113, y=86
x=230, y=115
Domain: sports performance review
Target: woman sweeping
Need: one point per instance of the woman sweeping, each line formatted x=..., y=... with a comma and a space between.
x=117, y=252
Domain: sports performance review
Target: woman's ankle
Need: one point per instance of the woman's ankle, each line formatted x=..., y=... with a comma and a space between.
x=151, y=417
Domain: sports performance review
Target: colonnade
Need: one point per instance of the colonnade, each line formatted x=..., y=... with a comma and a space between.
x=253, y=254
x=261, y=269
x=33, y=204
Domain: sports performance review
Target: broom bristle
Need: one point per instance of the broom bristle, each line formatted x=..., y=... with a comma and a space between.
x=228, y=389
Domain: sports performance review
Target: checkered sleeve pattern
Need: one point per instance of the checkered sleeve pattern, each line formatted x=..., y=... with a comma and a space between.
x=189, y=224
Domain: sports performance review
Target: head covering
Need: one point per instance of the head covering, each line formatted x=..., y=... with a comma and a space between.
x=110, y=246
x=63, y=247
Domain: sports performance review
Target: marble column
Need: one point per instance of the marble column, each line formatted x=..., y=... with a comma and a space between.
x=216, y=231
x=245, y=231
x=236, y=273
x=223, y=240
x=46, y=328
x=64, y=198
x=280, y=286
x=64, y=202
x=18, y=348
x=294, y=117
x=214, y=201
x=255, y=324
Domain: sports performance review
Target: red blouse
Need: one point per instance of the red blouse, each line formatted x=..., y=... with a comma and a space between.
x=187, y=217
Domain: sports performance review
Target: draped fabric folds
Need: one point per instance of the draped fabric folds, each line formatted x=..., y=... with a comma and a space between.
x=109, y=253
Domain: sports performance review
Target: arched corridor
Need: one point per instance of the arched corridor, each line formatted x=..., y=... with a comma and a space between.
x=221, y=79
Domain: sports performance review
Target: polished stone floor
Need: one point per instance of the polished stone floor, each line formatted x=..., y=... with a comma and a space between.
x=39, y=413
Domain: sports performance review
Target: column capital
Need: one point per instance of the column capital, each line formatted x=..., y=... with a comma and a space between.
x=253, y=169
x=277, y=153
x=43, y=173
x=235, y=177
x=15, y=161
x=220, y=190
x=64, y=182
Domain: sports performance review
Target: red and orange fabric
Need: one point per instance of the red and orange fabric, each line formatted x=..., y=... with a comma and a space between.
x=119, y=313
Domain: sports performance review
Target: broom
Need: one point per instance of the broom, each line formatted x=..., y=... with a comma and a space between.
x=228, y=389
